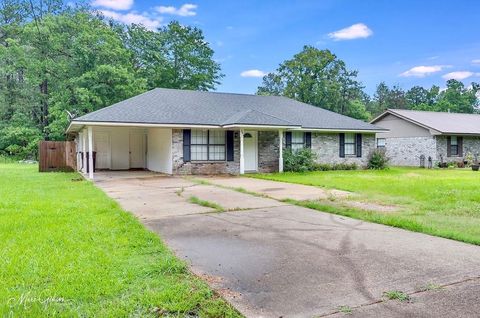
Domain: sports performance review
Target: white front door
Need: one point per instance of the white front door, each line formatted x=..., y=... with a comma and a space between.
x=137, y=158
x=103, y=149
x=250, y=150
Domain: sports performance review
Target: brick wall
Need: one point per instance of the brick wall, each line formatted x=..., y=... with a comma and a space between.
x=470, y=144
x=268, y=151
x=221, y=167
x=327, y=148
x=407, y=151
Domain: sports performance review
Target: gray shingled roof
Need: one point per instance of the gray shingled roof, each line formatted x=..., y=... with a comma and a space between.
x=184, y=107
x=445, y=123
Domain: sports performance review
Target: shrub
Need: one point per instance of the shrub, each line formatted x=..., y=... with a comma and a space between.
x=299, y=160
x=303, y=160
x=378, y=160
x=19, y=142
x=335, y=166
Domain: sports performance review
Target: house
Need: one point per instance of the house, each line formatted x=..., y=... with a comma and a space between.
x=443, y=137
x=191, y=132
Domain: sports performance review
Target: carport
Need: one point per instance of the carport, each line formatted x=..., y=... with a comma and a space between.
x=120, y=147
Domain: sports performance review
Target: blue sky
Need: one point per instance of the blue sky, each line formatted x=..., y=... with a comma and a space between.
x=400, y=42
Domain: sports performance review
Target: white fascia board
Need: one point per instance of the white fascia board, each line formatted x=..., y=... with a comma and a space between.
x=344, y=130
x=119, y=124
x=261, y=127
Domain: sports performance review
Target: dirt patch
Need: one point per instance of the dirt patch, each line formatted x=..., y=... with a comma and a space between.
x=228, y=293
x=339, y=193
x=368, y=206
x=211, y=280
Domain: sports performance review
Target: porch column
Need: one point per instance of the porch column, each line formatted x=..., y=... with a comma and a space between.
x=280, y=151
x=84, y=151
x=242, y=159
x=90, y=153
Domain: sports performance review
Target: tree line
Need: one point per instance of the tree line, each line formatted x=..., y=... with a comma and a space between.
x=320, y=78
x=59, y=60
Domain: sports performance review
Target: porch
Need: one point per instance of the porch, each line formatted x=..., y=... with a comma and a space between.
x=171, y=150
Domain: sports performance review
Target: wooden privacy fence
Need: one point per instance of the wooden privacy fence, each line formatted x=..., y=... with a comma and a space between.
x=57, y=156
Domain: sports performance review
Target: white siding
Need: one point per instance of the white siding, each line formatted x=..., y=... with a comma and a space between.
x=159, y=157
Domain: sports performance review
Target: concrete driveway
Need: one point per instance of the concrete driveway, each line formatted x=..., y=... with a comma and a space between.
x=270, y=259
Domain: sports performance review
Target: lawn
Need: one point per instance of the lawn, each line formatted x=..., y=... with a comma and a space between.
x=68, y=250
x=439, y=202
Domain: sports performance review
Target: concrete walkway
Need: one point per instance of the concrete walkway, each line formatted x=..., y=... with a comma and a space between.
x=275, y=189
x=277, y=260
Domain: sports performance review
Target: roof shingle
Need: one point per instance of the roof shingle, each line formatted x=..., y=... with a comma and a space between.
x=445, y=123
x=171, y=106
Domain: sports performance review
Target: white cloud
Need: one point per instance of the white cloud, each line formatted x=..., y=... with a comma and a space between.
x=113, y=4
x=422, y=71
x=459, y=75
x=253, y=73
x=356, y=31
x=186, y=10
x=476, y=62
x=134, y=18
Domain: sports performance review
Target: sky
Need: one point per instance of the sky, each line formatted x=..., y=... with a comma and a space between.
x=403, y=43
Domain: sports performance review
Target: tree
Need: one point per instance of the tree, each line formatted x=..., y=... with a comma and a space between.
x=175, y=56
x=380, y=97
x=56, y=58
x=316, y=77
x=396, y=98
x=416, y=96
x=459, y=99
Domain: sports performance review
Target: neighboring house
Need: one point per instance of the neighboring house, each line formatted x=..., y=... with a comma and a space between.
x=440, y=136
x=191, y=132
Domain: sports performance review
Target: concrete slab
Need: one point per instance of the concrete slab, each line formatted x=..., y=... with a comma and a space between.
x=152, y=197
x=295, y=262
x=458, y=300
x=229, y=199
x=277, y=190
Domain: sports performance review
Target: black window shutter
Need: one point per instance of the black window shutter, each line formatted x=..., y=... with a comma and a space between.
x=229, y=145
x=342, y=145
x=359, y=145
x=460, y=146
x=449, y=146
x=308, y=140
x=288, y=139
x=187, y=133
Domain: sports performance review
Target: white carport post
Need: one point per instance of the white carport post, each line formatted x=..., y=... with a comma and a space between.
x=90, y=153
x=242, y=158
x=280, y=151
x=84, y=151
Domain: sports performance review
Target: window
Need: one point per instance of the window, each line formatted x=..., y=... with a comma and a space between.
x=207, y=145
x=454, y=146
x=349, y=144
x=298, y=140
x=380, y=142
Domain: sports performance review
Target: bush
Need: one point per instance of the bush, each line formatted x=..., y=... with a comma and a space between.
x=378, y=160
x=19, y=142
x=335, y=166
x=299, y=160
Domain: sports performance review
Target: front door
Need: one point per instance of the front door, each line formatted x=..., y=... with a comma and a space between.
x=250, y=151
x=137, y=158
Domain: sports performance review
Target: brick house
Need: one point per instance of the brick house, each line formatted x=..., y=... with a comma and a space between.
x=191, y=132
x=447, y=137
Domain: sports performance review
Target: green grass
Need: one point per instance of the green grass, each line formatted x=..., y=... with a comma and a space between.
x=207, y=204
x=67, y=250
x=396, y=295
x=439, y=202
